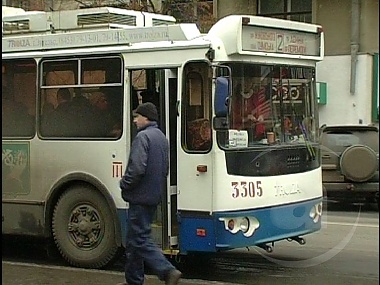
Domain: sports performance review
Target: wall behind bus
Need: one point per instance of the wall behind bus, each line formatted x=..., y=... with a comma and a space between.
x=335, y=16
x=343, y=107
x=240, y=7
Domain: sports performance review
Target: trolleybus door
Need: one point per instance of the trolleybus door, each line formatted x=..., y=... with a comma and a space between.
x=195, y=152
x=169, y=206
x=164, y=84
x=165, y=227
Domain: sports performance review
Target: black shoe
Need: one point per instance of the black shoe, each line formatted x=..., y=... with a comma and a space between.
x=173, y=277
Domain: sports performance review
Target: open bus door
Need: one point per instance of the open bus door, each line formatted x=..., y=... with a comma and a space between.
x=169, y=204
x=159, y=86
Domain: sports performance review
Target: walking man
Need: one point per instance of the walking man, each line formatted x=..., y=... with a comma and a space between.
x=142, y=186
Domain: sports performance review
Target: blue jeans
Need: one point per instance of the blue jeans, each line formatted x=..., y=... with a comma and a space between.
x=140, y=247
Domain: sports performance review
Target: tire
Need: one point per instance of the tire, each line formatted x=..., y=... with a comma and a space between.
x=374, y=202
x=83, y=228
x=358, y=163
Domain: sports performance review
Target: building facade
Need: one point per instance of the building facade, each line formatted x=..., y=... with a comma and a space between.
x=350, y=68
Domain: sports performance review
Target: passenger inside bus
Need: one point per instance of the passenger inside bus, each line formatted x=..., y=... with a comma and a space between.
x=260, y=111
x=134, y=98
x=106, y=124
x=81, y=112
x=58, y=123
x=47, y=108
x=250, y=108
x=85, y=115
x=150, y=96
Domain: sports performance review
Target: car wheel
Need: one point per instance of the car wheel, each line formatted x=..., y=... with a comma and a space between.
x=374, y=202
x=83, y=228
x=358, y=163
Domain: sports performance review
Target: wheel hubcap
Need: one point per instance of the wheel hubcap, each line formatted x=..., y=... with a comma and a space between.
x=85, y=227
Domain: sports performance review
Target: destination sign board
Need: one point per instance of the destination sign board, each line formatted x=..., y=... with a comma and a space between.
x=269, y=40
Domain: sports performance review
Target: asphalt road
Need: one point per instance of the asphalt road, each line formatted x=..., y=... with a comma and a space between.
x=344, y=252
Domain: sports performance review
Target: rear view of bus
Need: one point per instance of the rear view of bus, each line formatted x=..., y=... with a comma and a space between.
x=266, y=168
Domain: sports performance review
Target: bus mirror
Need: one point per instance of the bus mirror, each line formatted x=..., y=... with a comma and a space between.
x=220, y=123
x=221, y=96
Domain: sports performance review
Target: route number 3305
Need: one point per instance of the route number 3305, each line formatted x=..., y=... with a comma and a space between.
x=246, y=189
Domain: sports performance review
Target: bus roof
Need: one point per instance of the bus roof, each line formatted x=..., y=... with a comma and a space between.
x=9, y=11
x=92, y=27
x=105, y=26
x=97, y=38
x=91, y=18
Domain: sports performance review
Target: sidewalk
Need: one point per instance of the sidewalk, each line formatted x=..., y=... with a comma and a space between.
x=15, y=273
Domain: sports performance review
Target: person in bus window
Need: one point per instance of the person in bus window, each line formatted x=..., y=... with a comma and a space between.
x=81, y=112
x=260, y=111
x=142, y=186
x=250, y=108
x=63, y=100
x=106, y=124
x=47, y=108
x=62, y=110
x=58, y=122
x=134, y=98
x=237, y=118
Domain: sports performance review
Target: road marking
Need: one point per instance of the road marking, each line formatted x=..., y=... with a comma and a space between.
x=351, y=224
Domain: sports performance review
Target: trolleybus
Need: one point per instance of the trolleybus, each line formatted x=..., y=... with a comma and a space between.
x=238, y=106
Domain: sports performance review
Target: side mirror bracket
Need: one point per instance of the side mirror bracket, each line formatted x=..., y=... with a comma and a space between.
x=220, y=123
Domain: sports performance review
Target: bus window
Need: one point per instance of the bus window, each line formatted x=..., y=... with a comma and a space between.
x=101, y=71
x=18, y=98
x=196, y=103
x=94, y=109
x=60, y=72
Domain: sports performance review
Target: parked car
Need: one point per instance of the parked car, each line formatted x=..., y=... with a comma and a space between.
x=350, y=163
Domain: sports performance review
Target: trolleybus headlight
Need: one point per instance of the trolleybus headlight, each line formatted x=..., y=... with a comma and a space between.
x=316, y=212
x=244, y=224
x=253, y=224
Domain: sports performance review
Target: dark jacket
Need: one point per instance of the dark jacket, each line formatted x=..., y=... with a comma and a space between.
x=144, y=179
x=58, y=122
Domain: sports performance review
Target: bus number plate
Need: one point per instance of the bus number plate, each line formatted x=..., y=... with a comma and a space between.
x=246, y=189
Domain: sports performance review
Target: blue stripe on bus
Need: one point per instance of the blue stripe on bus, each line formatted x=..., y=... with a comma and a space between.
x=276, y=223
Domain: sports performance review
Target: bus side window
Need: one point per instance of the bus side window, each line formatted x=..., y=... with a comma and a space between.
x=18, y=98
x=96, y=108
x=16, y=120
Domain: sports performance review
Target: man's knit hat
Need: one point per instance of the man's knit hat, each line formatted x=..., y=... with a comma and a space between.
x=147, y=110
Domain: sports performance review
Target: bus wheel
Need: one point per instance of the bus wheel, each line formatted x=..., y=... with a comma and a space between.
x=83, y=228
